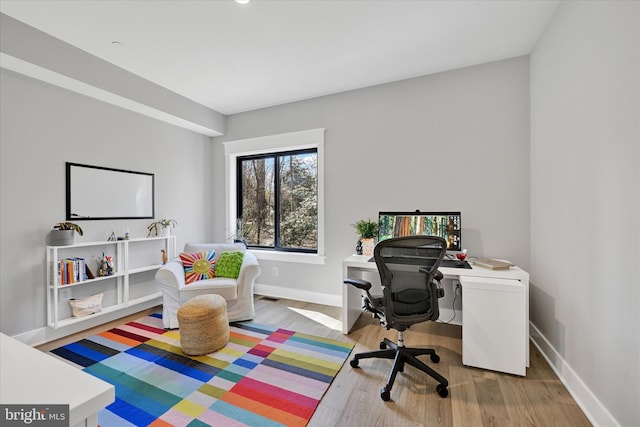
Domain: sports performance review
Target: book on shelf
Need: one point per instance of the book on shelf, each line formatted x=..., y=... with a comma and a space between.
x=72, y=270
x=491, y=264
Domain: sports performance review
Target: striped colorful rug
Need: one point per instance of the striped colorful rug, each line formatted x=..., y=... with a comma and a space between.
x=264, y=377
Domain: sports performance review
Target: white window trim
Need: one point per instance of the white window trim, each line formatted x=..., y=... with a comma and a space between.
x=313, y=138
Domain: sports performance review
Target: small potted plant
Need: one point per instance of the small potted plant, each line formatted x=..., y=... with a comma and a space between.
x=368, y=231
x=63, y=233
x=165, y=224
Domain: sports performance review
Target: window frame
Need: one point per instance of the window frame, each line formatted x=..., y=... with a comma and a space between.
x=293, y=141
x=277, y=157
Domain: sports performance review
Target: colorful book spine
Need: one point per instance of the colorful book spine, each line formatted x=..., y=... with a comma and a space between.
x=80, y=269
x=72, y=270
x=68, y=271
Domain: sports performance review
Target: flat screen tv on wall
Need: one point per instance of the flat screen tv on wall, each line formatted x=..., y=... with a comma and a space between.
x=96, y=192
x=447, y=225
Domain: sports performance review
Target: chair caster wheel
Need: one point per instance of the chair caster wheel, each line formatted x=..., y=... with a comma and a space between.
x=442, y=390
x=385, y=394
x=435, y=358
x=382, y=345
x=354, y=363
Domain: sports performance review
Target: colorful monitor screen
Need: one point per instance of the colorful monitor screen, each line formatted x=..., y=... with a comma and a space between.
x=444, y=224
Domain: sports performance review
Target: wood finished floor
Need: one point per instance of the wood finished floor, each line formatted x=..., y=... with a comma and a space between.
x=476, y=397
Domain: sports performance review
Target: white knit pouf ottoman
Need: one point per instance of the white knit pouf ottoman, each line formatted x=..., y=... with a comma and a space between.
x=203, y=323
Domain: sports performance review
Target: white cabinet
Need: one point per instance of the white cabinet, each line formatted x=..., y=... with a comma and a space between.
x=132, y=281
x=494, y=327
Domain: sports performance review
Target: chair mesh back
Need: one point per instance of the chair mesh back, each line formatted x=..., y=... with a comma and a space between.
x=410, y=294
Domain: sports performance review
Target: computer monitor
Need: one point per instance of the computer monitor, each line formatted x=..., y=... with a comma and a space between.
x=447, y=225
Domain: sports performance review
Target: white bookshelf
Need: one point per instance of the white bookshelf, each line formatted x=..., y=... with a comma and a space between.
x=132, y=282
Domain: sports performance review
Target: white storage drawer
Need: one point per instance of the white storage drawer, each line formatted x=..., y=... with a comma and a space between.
x=494, y=331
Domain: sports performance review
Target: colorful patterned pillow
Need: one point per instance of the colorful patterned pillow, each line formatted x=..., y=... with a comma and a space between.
x=198, y=266
x=229, y=264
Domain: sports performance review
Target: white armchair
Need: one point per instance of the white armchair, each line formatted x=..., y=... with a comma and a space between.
x=237, y=292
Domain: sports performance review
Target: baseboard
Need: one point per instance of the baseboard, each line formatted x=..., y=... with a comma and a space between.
x=447, y=315
x=46, y=334
x=594, y=410
x=297, y=295
x=34, y=337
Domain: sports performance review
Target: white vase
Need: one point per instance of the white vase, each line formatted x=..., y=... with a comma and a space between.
x=367, y=246
x=61, y=237
x=166, y=232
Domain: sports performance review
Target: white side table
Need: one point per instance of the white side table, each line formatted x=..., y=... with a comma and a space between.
x=30, y=376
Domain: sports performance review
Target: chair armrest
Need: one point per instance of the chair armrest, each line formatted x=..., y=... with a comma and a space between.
x=249, y=271
x=437, y=276
x=171, y=274
x=436, y=286
x=358, y=283
x=439, y=288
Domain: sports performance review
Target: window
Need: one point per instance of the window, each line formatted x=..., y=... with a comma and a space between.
x=270, y=184
x=278, y=200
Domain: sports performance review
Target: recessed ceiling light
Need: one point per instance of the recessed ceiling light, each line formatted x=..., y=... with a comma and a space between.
x=242, y=1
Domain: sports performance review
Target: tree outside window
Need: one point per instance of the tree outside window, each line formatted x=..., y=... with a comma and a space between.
x=278, y=200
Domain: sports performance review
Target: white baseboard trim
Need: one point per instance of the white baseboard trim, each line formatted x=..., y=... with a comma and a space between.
x=34, y=337
x=594, y=410
x=297, y=295
x=43, y=335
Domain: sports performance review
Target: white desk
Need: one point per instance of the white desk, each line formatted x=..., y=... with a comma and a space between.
x=30, y=376
x=495, y=312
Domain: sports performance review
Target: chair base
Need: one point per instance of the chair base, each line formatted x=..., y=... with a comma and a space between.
x=401, y=355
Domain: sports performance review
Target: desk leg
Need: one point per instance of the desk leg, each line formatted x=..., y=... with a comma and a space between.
x=351, y=303
x=90, y=421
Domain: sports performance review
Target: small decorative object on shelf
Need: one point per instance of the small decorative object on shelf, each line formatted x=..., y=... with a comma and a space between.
x=105, y=265
x=88, y=272
x=367, y=230
x=165, y=258
x=165, y=224
x=63, y=234
x=109, y=265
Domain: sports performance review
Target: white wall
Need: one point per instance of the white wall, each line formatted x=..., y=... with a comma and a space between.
x=41, y=128
x=451, y=141
x=585, y=197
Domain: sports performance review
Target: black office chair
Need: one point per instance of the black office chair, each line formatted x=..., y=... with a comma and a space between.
x=408, y=268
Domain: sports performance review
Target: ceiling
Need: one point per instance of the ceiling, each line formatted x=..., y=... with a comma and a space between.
x=233, y=58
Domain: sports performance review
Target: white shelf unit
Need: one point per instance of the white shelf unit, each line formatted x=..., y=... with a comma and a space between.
x=132, y=283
